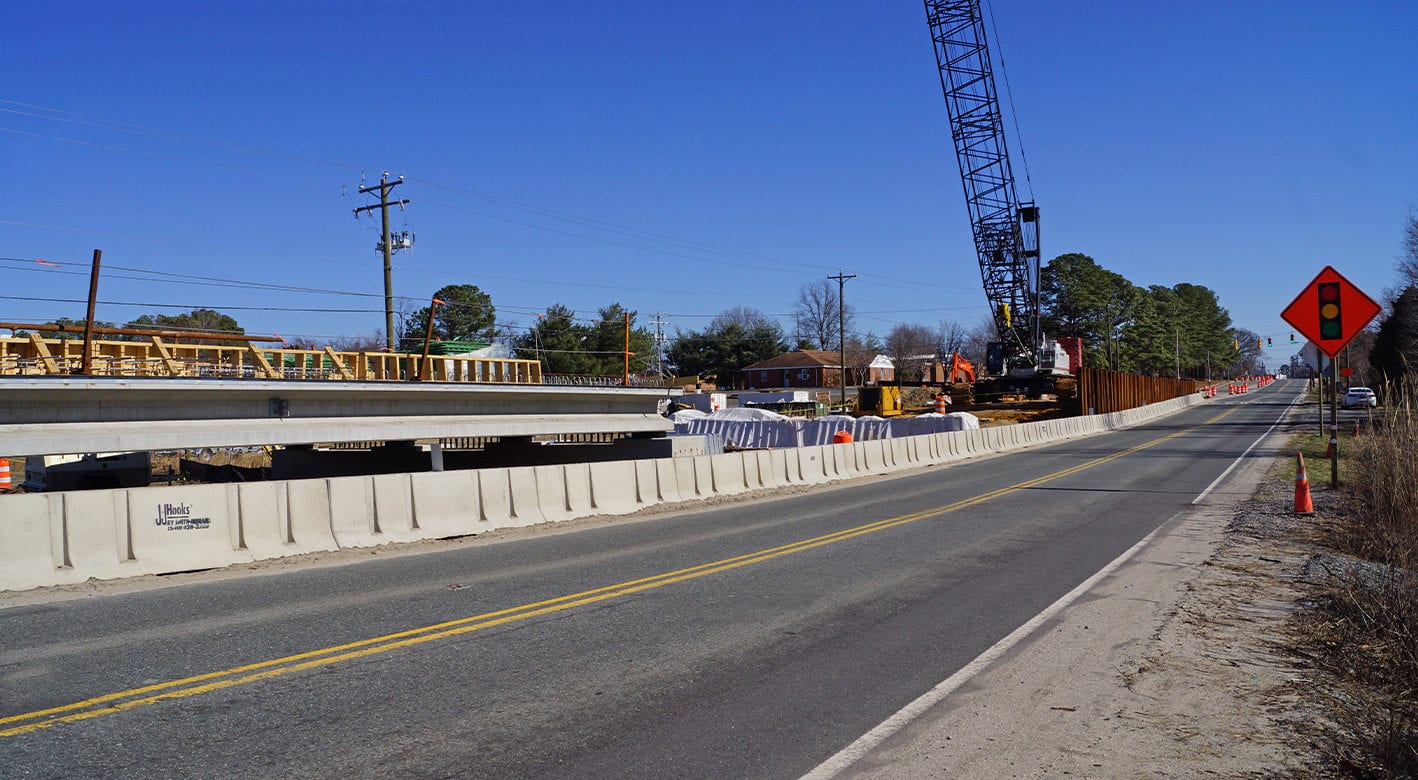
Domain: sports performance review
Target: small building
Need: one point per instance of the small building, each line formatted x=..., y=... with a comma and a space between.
x=805, y=368
x=881, y=371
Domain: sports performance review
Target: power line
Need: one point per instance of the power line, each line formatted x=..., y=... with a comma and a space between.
x=192, y=307
x=103, y=123
x=768, y=261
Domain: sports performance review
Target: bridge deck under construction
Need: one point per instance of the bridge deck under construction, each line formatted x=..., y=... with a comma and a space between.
x=154, y=356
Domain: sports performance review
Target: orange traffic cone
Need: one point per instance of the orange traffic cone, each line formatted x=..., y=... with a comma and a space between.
x=1303, y=503
x=5, y=483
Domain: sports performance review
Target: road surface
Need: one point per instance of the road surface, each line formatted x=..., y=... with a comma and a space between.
x=754, y=639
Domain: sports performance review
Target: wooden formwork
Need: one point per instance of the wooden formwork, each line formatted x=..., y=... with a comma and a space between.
x=154, y=356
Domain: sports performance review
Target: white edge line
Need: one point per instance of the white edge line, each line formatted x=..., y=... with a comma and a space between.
x=870, y=740
x=1202, y=496
x=864, y=744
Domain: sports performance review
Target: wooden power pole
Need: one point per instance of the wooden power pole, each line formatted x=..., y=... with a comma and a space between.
x=385, y=186
x=842, y=328
x=86, y=367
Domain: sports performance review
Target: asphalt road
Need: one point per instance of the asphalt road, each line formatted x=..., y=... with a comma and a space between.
x=749, y=640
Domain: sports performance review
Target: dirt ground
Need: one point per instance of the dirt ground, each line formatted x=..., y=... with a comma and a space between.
x=1018, y=412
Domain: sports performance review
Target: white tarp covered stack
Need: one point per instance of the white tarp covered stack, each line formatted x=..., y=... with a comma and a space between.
x=744, y=428
x=759, y=428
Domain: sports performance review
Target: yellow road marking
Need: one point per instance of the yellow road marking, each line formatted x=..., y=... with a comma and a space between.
x=241, y=675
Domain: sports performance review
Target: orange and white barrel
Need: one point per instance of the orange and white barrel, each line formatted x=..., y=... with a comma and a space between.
x=5, y=483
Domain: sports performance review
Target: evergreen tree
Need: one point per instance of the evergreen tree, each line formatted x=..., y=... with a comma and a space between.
x=735, y=338
x=1395, y=351
x=466, y=314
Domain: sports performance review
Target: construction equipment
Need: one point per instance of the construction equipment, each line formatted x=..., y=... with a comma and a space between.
x=1006, y=230
x=954, y=370
x=882, y=401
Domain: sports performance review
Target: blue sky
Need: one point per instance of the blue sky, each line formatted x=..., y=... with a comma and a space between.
x=685, y=158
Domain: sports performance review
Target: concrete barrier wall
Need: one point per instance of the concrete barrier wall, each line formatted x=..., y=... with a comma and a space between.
x=666, y=480
x=446, y=503
x=394, y=508
x=32, y=552
x=812, y=465
x=727, y=470
x=495, y=499
x=95, y=527
x=580, y=501
x=181, y=528
x=526, y=506
x=551, y=493
x=613, y=490
x=62, y=538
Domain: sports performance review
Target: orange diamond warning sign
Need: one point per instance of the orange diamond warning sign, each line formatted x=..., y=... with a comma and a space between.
x=1330, y=311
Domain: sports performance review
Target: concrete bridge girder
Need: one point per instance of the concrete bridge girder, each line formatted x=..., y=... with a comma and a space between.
x=47, y=415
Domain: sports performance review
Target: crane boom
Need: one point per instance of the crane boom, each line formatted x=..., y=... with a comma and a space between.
x=1006, y=231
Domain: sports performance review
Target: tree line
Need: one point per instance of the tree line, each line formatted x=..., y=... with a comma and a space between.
x=207, y=320
x=1393, y=347
x=1123, y=327
x=1153, y=330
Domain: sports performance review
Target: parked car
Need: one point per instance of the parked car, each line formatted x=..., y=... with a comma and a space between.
x=1358, y=396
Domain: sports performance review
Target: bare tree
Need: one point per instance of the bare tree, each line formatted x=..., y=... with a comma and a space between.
x=910, y=347
x=1408, y=260
x=860, y=353
x=746, y=317
x=370, y=342
x=952, y=337
x=977, y=340
x=816, y=315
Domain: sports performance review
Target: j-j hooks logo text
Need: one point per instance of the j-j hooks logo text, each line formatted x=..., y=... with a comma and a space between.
x=178, y=517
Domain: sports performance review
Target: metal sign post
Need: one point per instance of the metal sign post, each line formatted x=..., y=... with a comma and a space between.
x=1331, y=311
x=1334, y=431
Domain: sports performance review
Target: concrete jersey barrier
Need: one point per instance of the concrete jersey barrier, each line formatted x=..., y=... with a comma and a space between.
x=64, y=538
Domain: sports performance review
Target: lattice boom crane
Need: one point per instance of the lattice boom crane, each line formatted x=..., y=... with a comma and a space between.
x=1006, y=231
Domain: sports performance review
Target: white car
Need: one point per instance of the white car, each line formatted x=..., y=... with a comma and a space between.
x=1358, y=396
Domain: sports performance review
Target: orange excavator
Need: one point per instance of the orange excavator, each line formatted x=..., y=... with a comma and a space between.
x=954, y=370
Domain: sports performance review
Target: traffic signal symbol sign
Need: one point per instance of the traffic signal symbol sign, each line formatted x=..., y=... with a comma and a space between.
x=1330, y=311
x=1331, y=324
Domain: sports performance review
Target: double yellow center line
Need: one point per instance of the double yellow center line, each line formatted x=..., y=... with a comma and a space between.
x=120, y=701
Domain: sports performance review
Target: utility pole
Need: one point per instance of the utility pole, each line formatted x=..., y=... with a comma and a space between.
x=628, y=353
x=87, y=365
x=385, y=244
x=659, y=342
x=842, y=327
x=1178, y=331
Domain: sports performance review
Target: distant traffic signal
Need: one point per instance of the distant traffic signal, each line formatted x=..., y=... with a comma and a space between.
x=1268, y=341
x=1330, y=325
x=1258, y=344
x=1292, y=338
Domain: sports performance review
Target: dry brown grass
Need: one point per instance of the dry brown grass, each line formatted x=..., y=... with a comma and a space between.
x=1365, y=628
